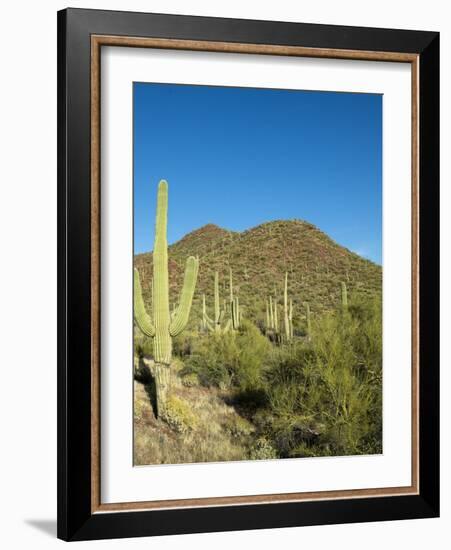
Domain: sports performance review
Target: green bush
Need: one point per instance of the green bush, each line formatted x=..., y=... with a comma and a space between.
x=262, y=450
x=183, y=344
x=231, y=360
x=179, y=415
x=317, y=396
x=190, y=380
x=325, y=397
x=237, y=426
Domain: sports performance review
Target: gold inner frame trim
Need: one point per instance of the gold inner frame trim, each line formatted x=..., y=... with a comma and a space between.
x=97, y=41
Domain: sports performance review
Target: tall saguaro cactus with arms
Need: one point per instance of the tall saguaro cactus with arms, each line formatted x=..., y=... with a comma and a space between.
x=215, y=325
x=161, y=326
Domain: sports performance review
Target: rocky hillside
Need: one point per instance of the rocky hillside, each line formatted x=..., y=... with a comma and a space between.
x=259, y=258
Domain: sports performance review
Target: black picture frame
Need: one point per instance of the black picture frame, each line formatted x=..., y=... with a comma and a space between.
x=76, y=521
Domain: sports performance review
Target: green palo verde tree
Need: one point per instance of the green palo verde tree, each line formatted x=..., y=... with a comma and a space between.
x=162, y=327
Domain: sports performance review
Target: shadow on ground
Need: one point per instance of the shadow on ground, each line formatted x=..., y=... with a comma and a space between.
x=47, y=526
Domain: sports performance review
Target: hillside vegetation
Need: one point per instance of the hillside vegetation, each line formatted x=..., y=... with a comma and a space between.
x=259, y=258
x=240, y=394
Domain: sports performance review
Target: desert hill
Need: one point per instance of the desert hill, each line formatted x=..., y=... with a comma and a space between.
x=259, y=258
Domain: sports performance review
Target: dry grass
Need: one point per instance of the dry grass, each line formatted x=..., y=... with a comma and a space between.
x=204, y=428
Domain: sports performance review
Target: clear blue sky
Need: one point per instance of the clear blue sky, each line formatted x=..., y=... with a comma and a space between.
x=238, y=157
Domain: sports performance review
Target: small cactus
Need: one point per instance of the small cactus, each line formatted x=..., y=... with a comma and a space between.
x=307, y=316
x=236, y=314
x=288, y=312
x=272, y=320
x=235, y=309
x=276, y=316
x=204, y=324
x=272, y=325
x=344, y=296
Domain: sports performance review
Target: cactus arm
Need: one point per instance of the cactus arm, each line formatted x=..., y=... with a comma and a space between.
x=231, y=284
x=204, y=308
x=141, y=316
x=204, y=311
x=207, y=322
x=173, y=311
x=276, y=316
x=271, y=312
x=221, y=316
x=227, y=325
x=181, y=315
x=210, y=325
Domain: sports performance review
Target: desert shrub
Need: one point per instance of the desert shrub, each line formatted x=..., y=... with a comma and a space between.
x=236, y=426
x=324, y=396
x=262, y=450
x=231, y=360
x=182, y=344
x=179, y=415
x=190, y=380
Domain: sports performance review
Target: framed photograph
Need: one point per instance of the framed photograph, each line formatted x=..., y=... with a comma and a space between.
x=248, y=274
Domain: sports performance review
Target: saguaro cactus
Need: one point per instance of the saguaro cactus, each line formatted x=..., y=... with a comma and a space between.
x=236, y=313
x=344, y=296
x=235, y=308
x=204, y=324
x=307, y=316
x=272, y=320
x=163, y=327
x=271, y=313
x=214, y=325
x=286, y=313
